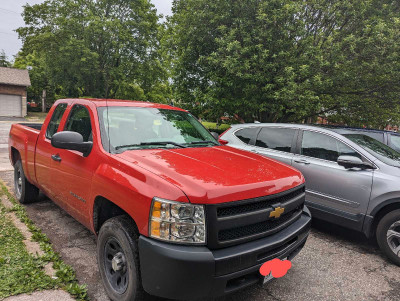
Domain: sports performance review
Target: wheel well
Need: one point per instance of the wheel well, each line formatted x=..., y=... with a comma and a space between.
x=15, y=155
x=381, y=213
x=103, y=210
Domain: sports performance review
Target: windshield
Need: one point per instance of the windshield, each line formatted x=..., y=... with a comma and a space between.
x=126, y=128
x=376, y=148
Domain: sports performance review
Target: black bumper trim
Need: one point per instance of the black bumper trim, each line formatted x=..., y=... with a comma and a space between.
x=191, y=272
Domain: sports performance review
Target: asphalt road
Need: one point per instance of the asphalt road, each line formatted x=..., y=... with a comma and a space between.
x=335, y=264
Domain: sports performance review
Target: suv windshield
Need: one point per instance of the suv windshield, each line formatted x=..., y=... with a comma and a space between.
x=126, y=128
x=376, y=148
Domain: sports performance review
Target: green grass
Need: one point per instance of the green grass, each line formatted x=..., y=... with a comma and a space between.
x=22, y=272
x=36, y=116
x=213, y=127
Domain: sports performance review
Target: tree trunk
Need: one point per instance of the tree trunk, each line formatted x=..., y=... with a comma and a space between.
x=44, y=101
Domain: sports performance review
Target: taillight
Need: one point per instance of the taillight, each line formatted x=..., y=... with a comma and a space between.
x=222, y=141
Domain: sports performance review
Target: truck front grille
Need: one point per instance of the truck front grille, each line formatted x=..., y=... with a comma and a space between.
x=249, y=230
x=241, y=221
x=254, y=206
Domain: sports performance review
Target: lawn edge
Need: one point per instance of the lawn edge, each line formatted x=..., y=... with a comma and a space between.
x=66, y=277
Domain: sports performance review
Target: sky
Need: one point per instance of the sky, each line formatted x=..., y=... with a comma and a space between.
x=10, y=19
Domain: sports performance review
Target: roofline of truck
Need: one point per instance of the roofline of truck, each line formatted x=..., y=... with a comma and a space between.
x=103, y=102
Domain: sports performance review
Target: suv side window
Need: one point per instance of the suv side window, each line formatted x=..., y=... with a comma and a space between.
x=276, y=138
x=247, y=134
x=79, y=121
x=324, y=147
x=395, y=141
x=376, y=136
x=55, y=120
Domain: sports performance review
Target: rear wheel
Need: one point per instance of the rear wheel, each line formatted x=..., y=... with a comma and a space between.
x=25, y=192
x=118, y=259
x=388, y=235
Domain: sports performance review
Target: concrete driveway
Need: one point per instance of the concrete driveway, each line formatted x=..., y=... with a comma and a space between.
x=4, y=130
x=335, y=264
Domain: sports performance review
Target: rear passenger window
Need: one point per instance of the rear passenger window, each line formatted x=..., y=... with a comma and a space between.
x=55, y=120
x=276, y=138
x=247, y=134
x=324, y=147
x=79, y=121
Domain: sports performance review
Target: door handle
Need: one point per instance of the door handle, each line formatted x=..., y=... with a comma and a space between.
x=56, y=158
x=302, y=161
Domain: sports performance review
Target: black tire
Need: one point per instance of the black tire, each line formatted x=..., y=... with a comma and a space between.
x=120, y=233
x=390, y=244
x=25, y=192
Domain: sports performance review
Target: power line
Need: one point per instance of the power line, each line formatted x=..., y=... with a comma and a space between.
x=10, y=11
x=11, y=34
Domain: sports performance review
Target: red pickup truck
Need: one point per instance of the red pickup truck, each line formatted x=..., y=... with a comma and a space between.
x=175, y=213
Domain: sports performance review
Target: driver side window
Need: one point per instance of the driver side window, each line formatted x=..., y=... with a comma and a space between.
x=324, y=147
x=79, y=121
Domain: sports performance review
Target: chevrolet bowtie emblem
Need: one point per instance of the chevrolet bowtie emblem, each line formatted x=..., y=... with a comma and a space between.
x=277, y=212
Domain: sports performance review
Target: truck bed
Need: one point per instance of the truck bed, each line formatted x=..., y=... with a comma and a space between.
x=23, y=137
x=36, y=126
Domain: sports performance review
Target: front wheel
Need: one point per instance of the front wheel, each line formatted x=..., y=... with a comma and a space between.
x=388, y=235
x=118, y=259
x=25, y=192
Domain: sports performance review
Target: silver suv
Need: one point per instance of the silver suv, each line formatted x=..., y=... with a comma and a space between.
x=352, y=179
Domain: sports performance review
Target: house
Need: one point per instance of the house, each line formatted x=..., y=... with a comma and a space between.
x=13, y=84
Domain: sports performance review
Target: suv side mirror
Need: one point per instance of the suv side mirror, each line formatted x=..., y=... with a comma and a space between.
x=72, y=141
x=215, y=135
x=352, y=161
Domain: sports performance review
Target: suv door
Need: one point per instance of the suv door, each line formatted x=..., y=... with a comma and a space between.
x=72, y=172
x=276, y=143
x=337, y=194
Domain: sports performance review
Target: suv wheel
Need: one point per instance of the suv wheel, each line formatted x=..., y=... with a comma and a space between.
x=25, y=192
x=388, y=235
x=118, y=259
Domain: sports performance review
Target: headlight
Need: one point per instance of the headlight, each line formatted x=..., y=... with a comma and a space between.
x=177, y=222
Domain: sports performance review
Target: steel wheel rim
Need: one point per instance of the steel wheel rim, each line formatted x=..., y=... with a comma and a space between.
x=18, y=182
x=116, y=267
x=393, y=237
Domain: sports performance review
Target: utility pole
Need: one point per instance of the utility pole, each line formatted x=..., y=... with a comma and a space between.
x=44, y=101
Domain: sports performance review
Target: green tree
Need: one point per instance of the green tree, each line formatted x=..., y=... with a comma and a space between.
x=101, y=48
x=288, y=61
x=38, y=75
x=4, y=60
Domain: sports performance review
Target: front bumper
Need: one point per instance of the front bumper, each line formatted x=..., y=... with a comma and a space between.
x=191, y=272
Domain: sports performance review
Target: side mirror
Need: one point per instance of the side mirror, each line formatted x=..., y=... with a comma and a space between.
x=71, y=141
x=215, y=135
x=352, y=161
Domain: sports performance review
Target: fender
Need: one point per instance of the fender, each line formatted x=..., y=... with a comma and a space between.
x=384, y=204
x=24, y=141
x=369, y=220
x=131, y=188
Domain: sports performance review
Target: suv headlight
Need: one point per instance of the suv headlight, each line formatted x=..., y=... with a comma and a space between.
x=177, y=222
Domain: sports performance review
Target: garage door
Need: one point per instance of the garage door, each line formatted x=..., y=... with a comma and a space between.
x=10, y=105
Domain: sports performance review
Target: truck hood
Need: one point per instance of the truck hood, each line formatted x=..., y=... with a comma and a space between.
x=210, y=175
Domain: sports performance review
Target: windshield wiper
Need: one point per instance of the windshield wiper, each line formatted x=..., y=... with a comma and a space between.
x=163, y=143
x=151, y=143
x=204, y=142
